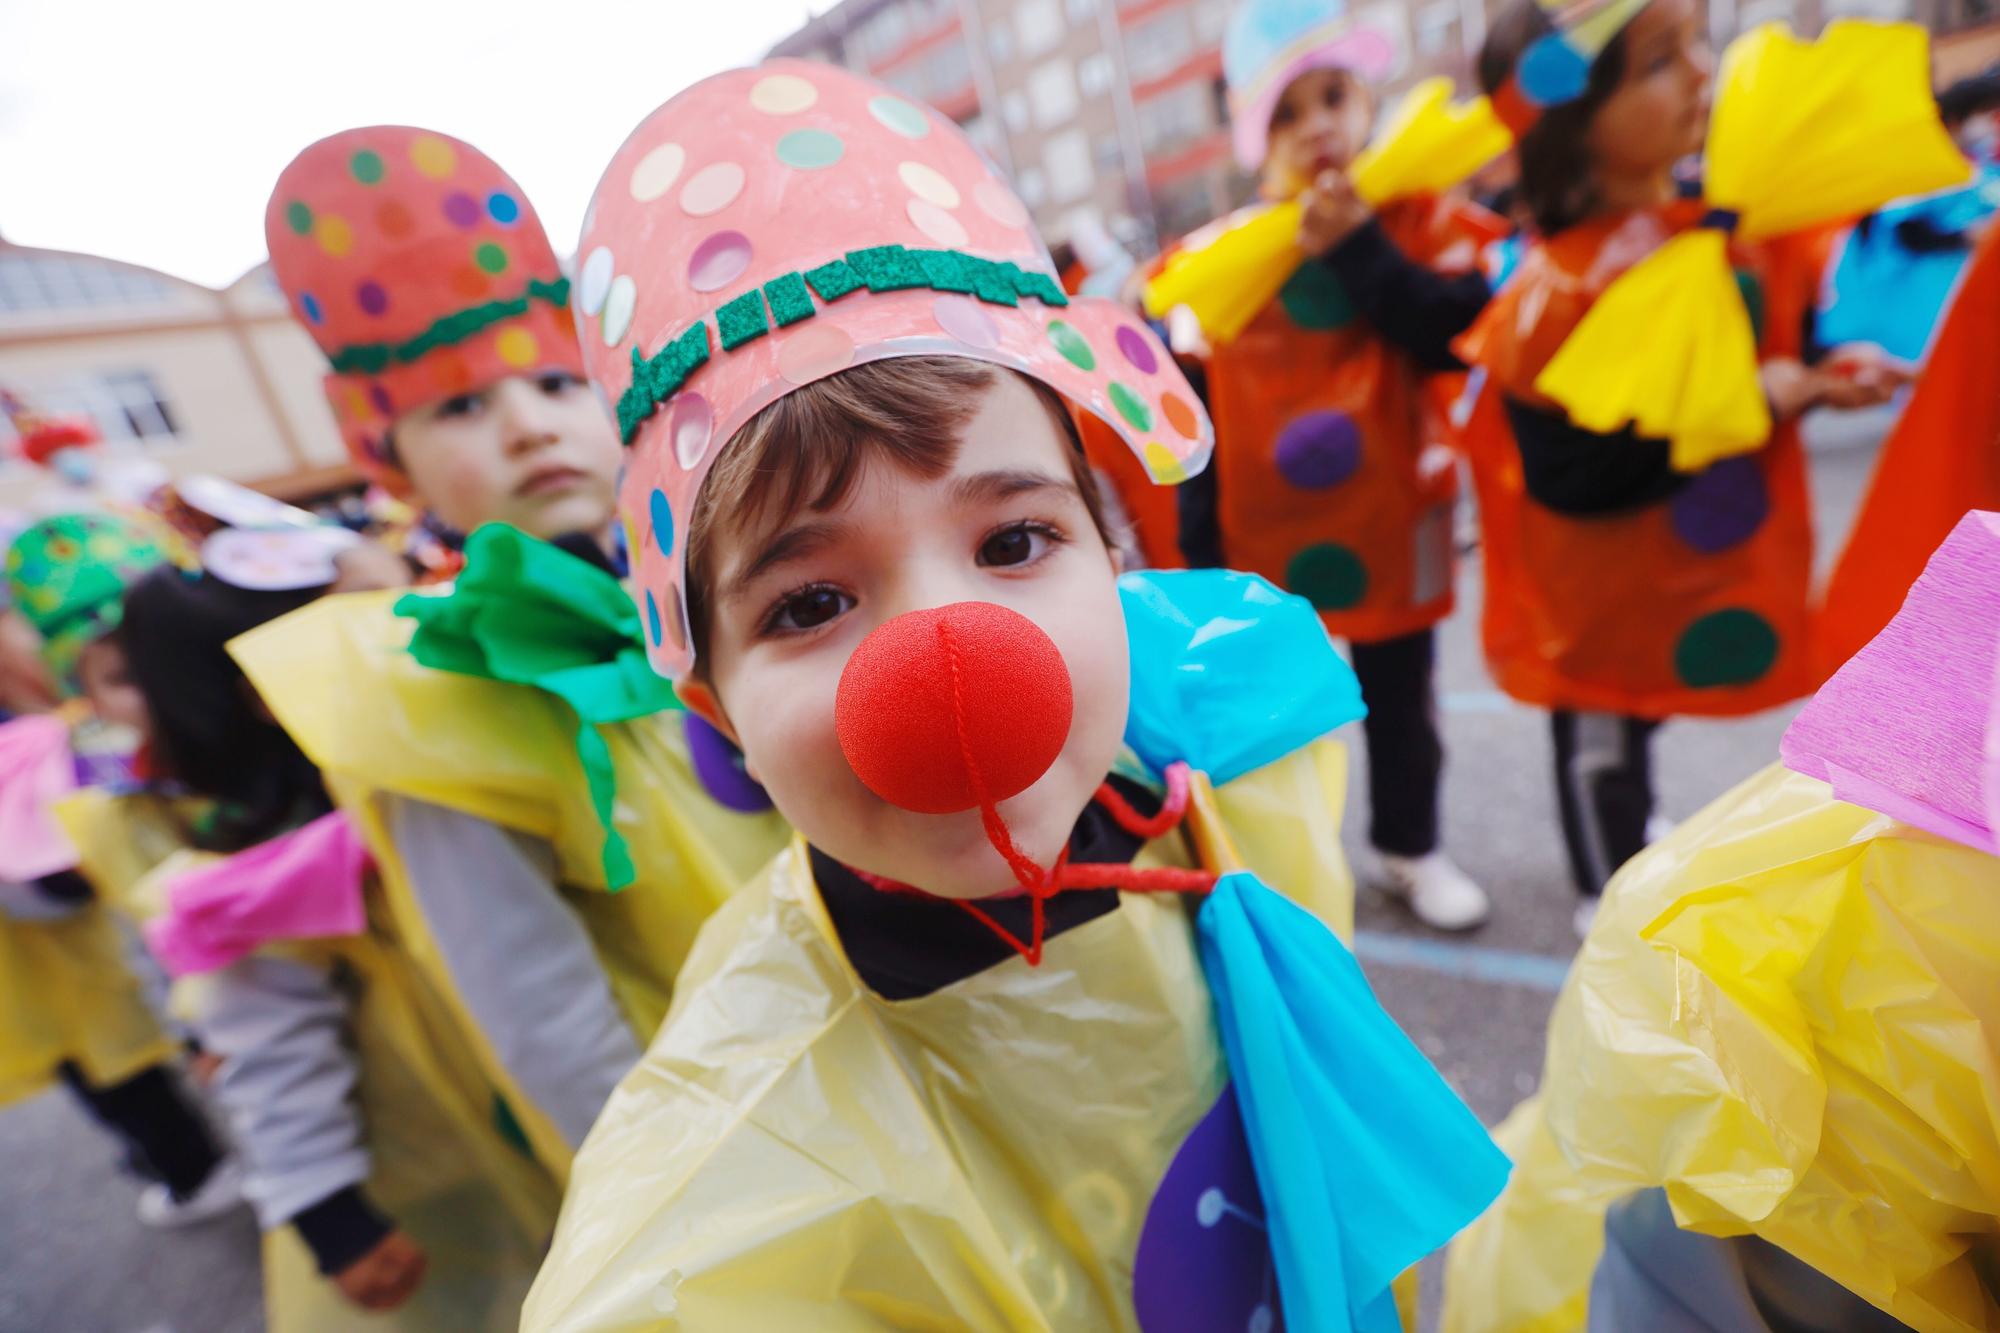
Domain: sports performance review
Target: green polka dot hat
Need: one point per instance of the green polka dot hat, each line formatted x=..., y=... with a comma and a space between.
x=772, y=226
x=68, y=574
x=417, y=265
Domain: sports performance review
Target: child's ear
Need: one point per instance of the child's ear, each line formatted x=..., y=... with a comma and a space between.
x=701, y=701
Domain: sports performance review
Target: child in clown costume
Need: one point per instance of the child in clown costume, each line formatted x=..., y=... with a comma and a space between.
x=1626, y=584
x=1325, y=480
x=498, y=741
x=964, y=1055
x=71, y=1006
x=385, y=1168
x=1768, y=1093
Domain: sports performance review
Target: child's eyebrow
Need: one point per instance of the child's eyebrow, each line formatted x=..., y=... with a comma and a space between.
x=795, y=543
x=1005, y=484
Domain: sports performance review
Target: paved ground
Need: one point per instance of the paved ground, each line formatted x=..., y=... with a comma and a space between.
x=73, y=1260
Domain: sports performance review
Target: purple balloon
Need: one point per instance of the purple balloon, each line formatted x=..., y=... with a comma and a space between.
x=1722, y=506
x=719, y=765
x=1204, y=1260
x=1319, y=450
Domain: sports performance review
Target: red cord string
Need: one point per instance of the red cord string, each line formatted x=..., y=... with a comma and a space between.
x=1041, y=885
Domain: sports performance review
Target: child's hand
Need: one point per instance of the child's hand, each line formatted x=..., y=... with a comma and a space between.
x=386, y=1276
x=1333, y=212
x=1860, y=375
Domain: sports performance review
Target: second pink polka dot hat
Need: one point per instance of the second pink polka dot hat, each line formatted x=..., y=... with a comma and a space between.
x=772, y=226
x=420, y=270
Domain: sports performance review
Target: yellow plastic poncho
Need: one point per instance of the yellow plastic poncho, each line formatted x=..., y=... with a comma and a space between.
x=446, y=1163
x=797, y=1152
x=337, y=676
x=1783, y=1015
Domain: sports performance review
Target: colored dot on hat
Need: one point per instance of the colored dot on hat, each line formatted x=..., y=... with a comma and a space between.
x=1180, y=416
x=814, y=350
x=712, y=189
x=998, y=202
x=298, y=217
x=899, y=116
x=433, y=156
x=937, y=224
x=657, y=171
x=782, y=95
x=962, y=318
x=335, y=237
x=1072, y=345
x=490, y=257
x=1161, y=464
x=380, y=399
x=810, y=150
x=503, y=208
x=1138, y=353
x=594, y=281
x=461, y=209
x=450, y=371
x=517, y=347
x=468, y=282
x=927, y=182
x=394, y=218
x=1131, y=406
x=309, y=304
x=366, y=166
x=663, y=521
x=693, y=426
x=719, y=260
x=619, y=304
x=653, y=618
x=371, y=298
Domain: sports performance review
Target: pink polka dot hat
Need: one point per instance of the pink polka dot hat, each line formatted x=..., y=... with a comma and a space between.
x=772, y=226
x=418, y=266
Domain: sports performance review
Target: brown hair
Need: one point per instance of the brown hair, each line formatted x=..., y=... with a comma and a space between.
x=1558, y=180
x=807, y=450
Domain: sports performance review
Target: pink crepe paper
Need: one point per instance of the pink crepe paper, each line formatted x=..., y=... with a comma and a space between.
x=37, y=769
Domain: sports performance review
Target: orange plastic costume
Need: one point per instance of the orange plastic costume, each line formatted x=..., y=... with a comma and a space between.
x=1328, y=478
x=1148, y=506
x=1695, y=605
x=1942, y=459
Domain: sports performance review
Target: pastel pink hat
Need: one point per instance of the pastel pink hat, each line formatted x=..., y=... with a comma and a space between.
x=772, y=226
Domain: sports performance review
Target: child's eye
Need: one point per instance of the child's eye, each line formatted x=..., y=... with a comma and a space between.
x=1017, y=544
x=808, y=608
x=460, y=405
x=557, y=382
x=1336, y=95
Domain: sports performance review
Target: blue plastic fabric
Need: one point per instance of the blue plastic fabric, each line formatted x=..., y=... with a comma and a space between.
x=1367, y=1160
x=1228, y=673
x=1881, y=292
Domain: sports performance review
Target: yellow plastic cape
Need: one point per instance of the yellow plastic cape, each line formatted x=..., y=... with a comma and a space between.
x=1803, y=134
x=1784, y=1015
x=336, y=675
x=796, y=1152
x=1227, y=274
x=446, y=1163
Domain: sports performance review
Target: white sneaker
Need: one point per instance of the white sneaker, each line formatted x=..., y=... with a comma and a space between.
x=1585, y=916
x=221, y=1193
x=1441, y=895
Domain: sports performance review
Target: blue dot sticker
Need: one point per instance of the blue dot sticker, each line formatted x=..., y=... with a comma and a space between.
x=310, y=304
x=653, y=615
x=1553, y=72
x=503, y=208
x=663, y=522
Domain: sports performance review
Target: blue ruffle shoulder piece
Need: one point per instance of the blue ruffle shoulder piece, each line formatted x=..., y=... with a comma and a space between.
x=1228, y=673
x=1367, y=1159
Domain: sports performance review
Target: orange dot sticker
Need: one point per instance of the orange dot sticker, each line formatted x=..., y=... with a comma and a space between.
x=1180, y=416
x=517, y=347
x=468, y=282
x=453, y=374
x=394, y=219
x=335, y=237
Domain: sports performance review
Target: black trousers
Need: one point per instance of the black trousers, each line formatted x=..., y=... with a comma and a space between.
x=1405, y=752
x=1604, y=786
x=164, y=1133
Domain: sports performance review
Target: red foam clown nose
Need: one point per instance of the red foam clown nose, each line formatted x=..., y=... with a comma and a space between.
x=940, y=708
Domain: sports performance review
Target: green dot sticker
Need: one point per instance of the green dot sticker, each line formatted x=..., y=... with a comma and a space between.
x=810, y=150
x=1315, y=299
x=1131, y=406
x=1072, y=345
x=1730, y=647
x=1328, y=575
x=298, y=217
x=366, y=166
x=491, y=258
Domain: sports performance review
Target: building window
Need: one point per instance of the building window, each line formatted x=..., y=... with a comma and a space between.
x=123, y=404
x=1159, y=46
x=1436, y=25
x=1080, y=11
x=881, y=35
x=1181, y=206
x=138, y=400
x=1000, y=41
x=1052, y=90
x=57, y=282
x=1040, y=26
x=1890, y=10
x=1759, y=12
x=1033, y=186
x=1175, y=118
x=1066, y=157
x=1211, y=17
x=1014, y=110
x=1094, y=74
x=949, y=70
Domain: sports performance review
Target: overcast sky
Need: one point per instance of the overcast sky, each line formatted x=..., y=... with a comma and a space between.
x=152, y=131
